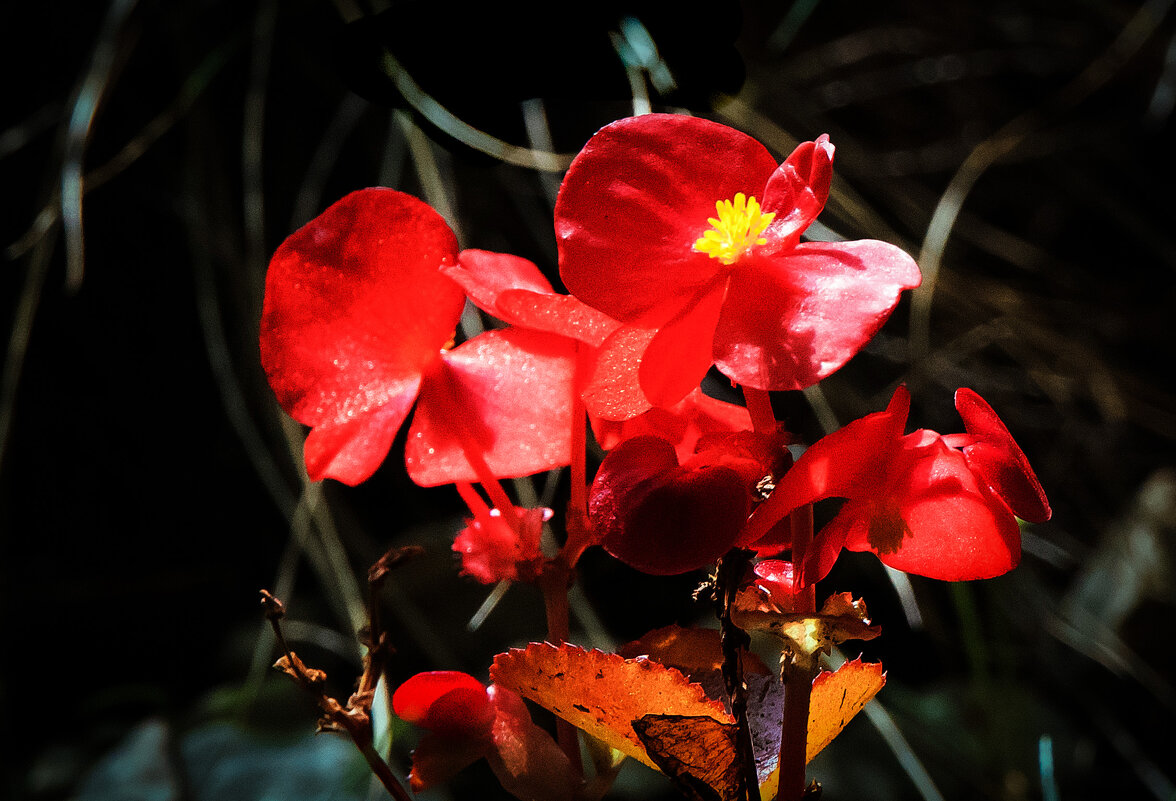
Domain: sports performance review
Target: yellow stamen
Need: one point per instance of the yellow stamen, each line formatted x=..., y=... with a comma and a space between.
x=736, y=230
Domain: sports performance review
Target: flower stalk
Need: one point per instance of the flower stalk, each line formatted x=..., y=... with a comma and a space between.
x=798, y=671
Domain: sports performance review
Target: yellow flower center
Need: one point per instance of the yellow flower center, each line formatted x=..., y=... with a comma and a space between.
x=736, y=230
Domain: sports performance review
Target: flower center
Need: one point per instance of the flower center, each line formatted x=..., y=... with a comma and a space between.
x=735, y=230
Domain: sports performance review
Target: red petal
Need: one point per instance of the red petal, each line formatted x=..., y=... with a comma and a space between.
x=934, y=519
x=438, y=758
x=351, y=451
x=843, y=464
x=557, y=314
x=798, y=189
x=623, y=470
x=777, y=578
x=682, y=424
x=516, y=292
x=511, y=392
x=635, y=200
x=682, y=351
x=614, y=390
x=492, y=551
x=355, y=309
x=524, y=757
x=796, y=317
x=445, y=701
x=484, y=275
x=999, y=461
x=663, y=519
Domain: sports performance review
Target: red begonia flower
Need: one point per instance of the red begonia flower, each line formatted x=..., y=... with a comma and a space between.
x=446, y=702
x=355, y=325
x=492, y=550
x=468, y=720
x=918, y=501
x=776, y=585
x=682, y=424
x=664, y=518
x=638, y=239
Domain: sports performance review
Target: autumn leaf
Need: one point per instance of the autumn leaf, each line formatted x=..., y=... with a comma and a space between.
x=602, y=693
x=702, y=750
x=839, y=695
x=841, y=618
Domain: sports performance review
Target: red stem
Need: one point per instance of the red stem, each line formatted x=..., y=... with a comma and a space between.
x=576, y=516
x=759, y=406
x=798, y=675
x=554, y=583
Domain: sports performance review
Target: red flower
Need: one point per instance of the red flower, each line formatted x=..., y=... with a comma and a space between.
x=355, y=328
x=467, y=721
x=638, y=239
x=662, y=517
x=938, y=506
x=683, y=424
x=493, y=550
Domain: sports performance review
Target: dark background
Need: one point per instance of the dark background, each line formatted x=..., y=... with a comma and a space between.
x=149, y=485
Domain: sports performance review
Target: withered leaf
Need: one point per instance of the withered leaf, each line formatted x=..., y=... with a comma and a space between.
x=703, y=749
x=602, y=693
x=841, y=618
x=697, y=753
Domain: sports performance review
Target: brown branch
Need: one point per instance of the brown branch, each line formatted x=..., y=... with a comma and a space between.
x=354, y=719
x=735, y=643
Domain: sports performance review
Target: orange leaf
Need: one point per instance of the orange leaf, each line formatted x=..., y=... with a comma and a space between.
x=703, y=750
x=602, y=693
x=837, y=697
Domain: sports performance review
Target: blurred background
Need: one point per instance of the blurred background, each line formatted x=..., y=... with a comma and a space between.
x=152, y=156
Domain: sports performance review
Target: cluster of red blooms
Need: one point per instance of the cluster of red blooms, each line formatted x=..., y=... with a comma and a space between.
x=680, y=242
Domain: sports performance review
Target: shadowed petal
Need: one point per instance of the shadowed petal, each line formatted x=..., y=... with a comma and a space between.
x=999, y=460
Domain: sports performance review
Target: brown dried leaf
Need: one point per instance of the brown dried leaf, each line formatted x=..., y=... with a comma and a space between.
x=693, y=651
x=697, y=753
x=702, y=750
x=296, y=669
x=602, y=693
x=841, y=618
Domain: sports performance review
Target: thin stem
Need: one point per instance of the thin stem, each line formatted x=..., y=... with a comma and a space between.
x=576, y=516
x=554, y=582
x=735, y=642
x=759, y=406
x=798, y=670
x=471, y=447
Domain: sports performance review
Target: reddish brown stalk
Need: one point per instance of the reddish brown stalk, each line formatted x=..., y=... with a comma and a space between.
x=799, y=670
x=554, y=582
